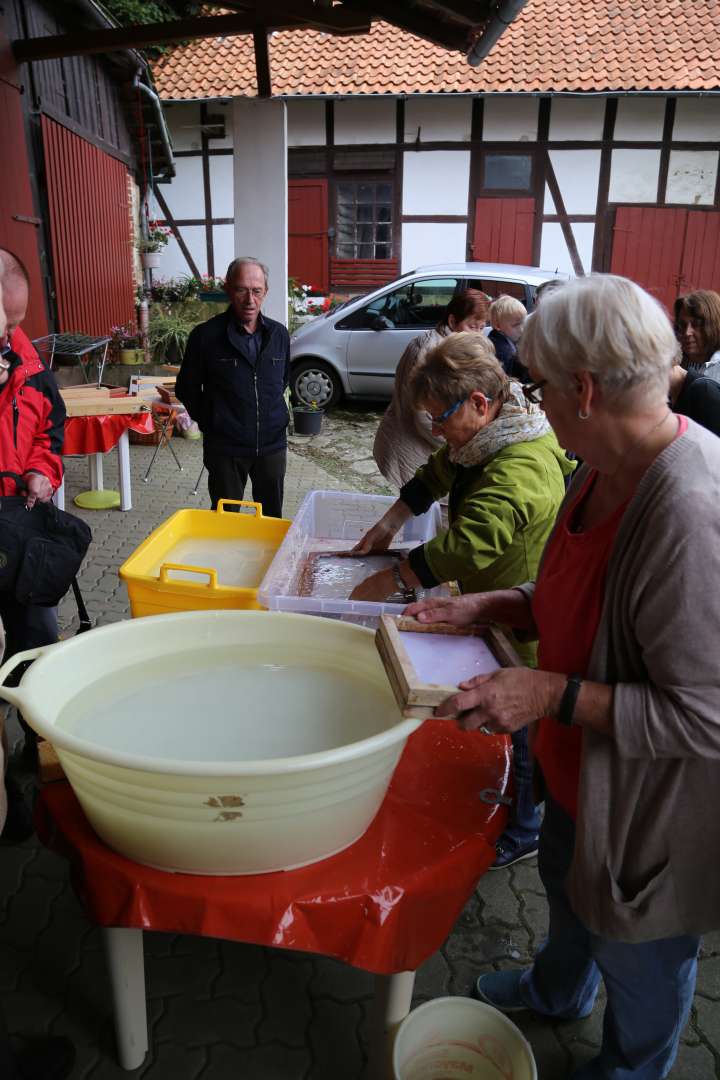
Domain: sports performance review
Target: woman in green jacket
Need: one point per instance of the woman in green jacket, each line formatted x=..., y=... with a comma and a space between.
x=505, y=475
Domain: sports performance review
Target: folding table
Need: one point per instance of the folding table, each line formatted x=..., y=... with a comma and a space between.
x=385, y=904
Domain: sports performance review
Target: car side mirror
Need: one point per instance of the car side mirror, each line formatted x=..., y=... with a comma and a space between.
x=380, y=322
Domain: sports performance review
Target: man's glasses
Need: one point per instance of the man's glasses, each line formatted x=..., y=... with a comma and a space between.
x=534, y=392
x=448, y=412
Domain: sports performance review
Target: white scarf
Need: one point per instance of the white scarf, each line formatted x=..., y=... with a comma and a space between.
x=518, y=421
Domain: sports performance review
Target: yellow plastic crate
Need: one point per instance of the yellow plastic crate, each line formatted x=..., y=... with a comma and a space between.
x=203, y=559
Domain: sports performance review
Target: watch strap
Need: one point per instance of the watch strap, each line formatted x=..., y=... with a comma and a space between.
x=569, y=699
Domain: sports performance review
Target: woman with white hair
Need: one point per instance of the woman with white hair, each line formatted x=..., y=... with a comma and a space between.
x=627, y=691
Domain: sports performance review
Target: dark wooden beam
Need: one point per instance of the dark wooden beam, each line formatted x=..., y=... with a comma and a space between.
x=262, y=62
x=468, y=11
x=84, y=43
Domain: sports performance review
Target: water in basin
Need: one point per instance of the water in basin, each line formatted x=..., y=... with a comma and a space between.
x=231, y=705
x=240, y=563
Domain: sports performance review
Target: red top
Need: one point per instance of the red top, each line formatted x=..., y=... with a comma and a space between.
x=567, y=606
x=32, y=414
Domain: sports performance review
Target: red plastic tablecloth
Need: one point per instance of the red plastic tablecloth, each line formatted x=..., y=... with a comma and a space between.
x=385, y=904
x=98, y=434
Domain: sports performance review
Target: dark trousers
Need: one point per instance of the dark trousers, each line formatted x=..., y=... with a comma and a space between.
x=27, y=626
x=227, y=477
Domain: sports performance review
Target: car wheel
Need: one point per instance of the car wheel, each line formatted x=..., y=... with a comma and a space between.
x=313, y=382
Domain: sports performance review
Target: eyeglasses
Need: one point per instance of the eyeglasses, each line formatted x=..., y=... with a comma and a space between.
x=534, y=392
x=448, y=412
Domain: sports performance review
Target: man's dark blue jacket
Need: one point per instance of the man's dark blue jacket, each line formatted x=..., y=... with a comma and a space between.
x=238, y=405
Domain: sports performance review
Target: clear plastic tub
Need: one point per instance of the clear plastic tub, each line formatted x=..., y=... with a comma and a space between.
x=335, y=521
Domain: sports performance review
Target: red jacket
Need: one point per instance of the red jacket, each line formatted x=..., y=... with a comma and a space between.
x=32, y=417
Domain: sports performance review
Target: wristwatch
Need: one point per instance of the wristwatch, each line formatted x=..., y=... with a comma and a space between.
x=568, y=700
x=402, y=587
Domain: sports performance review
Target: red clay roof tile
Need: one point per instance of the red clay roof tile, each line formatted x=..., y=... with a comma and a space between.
x=554, y=45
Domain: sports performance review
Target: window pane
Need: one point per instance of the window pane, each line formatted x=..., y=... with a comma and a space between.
x=382, y=251
x=364, y=251
x=499, y=288
x=508, y=171
x=365, y=234
x=363, y=220
x=346, y=251
x=382, y=234
x=384, y=213
x=384, y=193
x=365, y=212
x=346, y=193
x=421, y=304
x=366, y=193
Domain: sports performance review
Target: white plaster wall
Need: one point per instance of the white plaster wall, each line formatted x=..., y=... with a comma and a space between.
x=365, y=120
x=440, y=119
x=577, y=118
x=306, y=123
x=260, y=186
x=173, y=260
x=221, y=186
x=634, y=176
x=223, y=247
x=436, y=182
x=640, y=119
x=512, y=119
x=697, y=120
x=424, y=243
x=183, y=121
x=577, y=173
x=184, y=195
x=554, y=254
x=691, y=177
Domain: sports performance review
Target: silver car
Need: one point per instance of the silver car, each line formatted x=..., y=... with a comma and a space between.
x=354, y=350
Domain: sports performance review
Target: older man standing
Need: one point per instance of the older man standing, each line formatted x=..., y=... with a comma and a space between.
x=233, y=381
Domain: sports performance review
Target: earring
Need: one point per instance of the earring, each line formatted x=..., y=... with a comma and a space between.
x=583, y=415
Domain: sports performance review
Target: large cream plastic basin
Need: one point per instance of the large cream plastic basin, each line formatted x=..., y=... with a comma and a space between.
x=226, y=816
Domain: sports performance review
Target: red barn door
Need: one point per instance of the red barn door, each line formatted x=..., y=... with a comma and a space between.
x=308, y=233
x=504, y=231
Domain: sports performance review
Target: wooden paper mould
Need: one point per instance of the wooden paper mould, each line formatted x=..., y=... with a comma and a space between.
x=416, y=698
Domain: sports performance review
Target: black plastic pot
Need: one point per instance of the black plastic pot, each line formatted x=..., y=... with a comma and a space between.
x=307, y=421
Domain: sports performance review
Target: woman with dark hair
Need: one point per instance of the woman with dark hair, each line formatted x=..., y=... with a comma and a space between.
x=404, y=439
x=697, y=326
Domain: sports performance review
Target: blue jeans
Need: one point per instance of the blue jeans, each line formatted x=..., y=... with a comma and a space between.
x=525, y=819
x=649, y=986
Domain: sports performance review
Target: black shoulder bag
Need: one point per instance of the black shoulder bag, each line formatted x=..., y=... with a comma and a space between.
x=41, y=550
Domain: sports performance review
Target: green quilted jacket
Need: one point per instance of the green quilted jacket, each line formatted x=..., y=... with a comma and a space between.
x=500, y=512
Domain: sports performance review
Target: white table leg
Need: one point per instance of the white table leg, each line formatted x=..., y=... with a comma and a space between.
x=393, y=998
x=123, y=449
x=96, y=471
x=59, y=496
x=124, y=955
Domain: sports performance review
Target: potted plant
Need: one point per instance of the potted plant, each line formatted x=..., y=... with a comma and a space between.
x=307, y=419
x=126, y=345
x=151, y=245
x=168, y=334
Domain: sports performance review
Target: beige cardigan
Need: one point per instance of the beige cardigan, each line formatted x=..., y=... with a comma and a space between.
x=646, y=863
x=404, y=439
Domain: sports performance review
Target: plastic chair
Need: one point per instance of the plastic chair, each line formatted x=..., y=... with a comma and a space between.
x=164, y=417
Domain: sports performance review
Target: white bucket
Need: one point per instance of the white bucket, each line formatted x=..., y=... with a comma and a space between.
x=456, y=1037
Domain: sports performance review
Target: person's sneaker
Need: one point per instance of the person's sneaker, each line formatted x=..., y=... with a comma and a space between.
x=501, y=989
x=508, y=852
x=46, y=1059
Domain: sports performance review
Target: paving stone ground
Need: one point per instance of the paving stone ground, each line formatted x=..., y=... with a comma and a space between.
x=225, y=1011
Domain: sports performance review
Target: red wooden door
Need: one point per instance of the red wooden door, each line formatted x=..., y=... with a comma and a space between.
x=18, y=225
x=504, y=231
x=91, y=233
x=700, y=267
x=648, y=245
x=308, y=255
